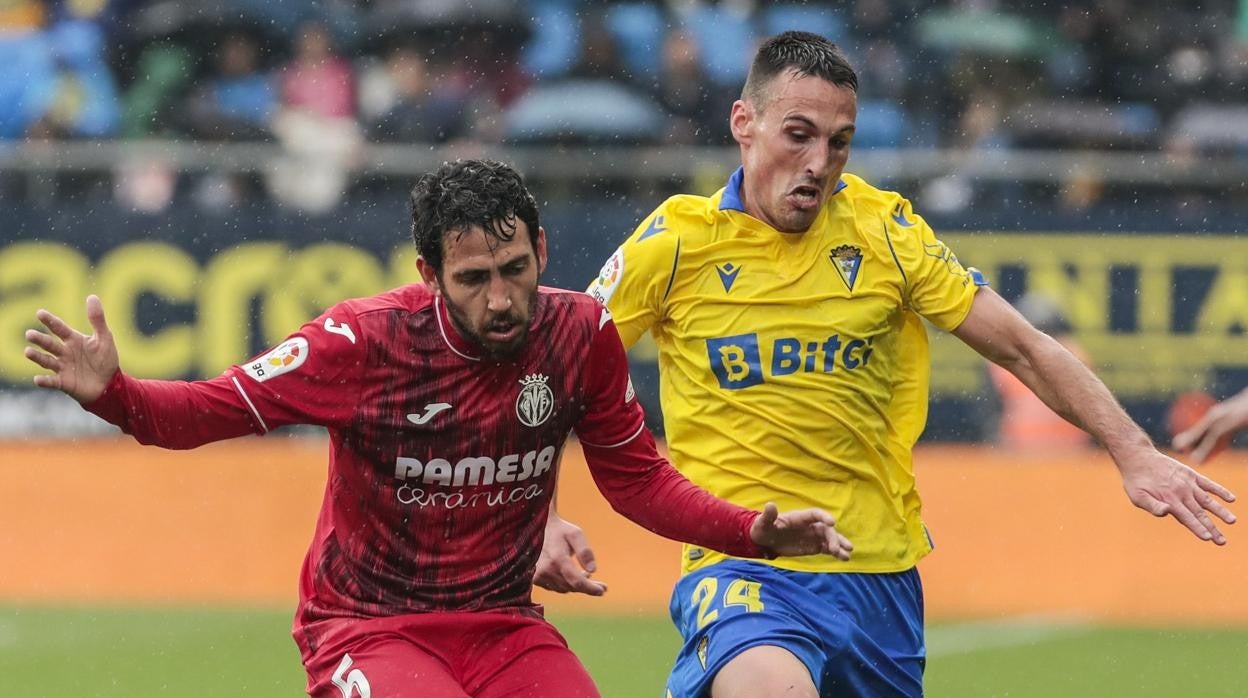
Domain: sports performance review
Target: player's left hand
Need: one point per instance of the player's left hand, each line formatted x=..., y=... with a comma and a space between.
x=567, y=561
x=799, y=532
x=1163, y=486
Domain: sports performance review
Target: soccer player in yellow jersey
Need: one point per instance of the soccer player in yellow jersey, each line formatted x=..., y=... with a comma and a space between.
x=786, y=309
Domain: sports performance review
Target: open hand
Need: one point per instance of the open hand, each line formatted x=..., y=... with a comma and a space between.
x=81, y=366
x=1163, y=486
x=567, y=561
x=800, y=532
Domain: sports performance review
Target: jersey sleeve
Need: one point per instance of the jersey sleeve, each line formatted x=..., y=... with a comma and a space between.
x=313, y=377
x=612, y=416
x=625, y=463
x=173, y=414
x=938, y=287
x=634, y=281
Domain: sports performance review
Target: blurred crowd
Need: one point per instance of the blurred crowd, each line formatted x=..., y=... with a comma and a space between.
x=322, y=76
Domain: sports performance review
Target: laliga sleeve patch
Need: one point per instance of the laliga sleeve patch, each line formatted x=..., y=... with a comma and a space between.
x=283, y=358
x=604, y=286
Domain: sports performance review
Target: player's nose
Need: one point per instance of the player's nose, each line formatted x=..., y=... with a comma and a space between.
x=498, y=297
x=818, y=163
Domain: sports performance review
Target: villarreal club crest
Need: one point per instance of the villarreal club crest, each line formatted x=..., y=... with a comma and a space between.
x=536, y=402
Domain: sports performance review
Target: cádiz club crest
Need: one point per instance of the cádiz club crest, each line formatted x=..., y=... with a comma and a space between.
x=535, y=403
x=847, y=259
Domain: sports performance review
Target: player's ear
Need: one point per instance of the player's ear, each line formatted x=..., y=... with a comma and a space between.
x=428, y=275
x=539, y=248
x=741, y=120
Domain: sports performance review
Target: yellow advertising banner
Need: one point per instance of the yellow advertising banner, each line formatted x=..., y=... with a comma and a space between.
x=1156, y=313
x=175, y=316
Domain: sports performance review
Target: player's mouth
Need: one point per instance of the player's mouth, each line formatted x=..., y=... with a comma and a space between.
x=502, y=331
x=804, y=197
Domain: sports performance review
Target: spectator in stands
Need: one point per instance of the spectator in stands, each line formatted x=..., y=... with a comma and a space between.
x=318, y=81
x=28, y=61
x=600, y=55
x=421, y=107
x=980, y=132
x=685, y=92
x=888, y=68
x=875, y=18
x=491, y=68
x=597, y=101
x=316, y=124
x=1082, y=190
x=239, y=101
x=79, y=99
x=151, y=104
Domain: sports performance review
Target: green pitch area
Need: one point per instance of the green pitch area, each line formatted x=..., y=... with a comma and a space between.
x=174, y=653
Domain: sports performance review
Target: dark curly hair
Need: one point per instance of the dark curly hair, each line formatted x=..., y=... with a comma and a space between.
x=464, y=194
x=807, y=53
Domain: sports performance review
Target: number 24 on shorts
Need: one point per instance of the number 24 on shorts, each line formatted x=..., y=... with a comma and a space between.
x=740, y=592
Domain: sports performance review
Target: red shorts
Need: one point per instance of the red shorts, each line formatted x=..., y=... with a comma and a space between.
x=478, y=654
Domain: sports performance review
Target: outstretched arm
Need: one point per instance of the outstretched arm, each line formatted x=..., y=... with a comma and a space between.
x=173, y=414
x=1154, y=482
x=641, y=485
x=1220, y=422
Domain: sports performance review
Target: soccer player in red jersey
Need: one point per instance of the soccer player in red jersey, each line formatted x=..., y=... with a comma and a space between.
x=447, y=405
x=1213, y=430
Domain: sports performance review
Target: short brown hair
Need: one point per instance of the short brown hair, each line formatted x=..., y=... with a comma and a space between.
x=807, y=53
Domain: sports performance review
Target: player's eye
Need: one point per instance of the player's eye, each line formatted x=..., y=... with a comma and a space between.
x=474, y=278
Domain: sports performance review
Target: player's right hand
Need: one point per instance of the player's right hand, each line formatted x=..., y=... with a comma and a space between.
x=81, y=366
x=567, y=561
x=799, y=532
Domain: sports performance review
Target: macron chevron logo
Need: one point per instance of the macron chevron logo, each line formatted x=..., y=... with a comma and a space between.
x=728, y=275
x=656, y=226
x=899, y=215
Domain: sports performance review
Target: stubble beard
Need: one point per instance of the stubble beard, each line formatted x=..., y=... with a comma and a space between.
x=792, y=220
x=494, y=350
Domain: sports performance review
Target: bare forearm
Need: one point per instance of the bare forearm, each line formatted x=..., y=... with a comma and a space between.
x=1153, y=481
x=1070, y=389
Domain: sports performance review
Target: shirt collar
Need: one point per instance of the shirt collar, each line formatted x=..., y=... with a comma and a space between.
x=731, y=199
x=450, y=333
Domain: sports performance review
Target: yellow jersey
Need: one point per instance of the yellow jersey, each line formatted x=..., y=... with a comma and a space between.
x=794, y=367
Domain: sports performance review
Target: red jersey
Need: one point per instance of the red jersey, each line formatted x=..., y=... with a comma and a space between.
x=442, y=460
